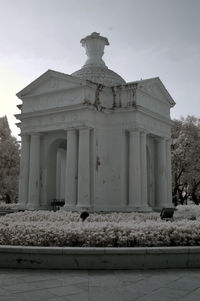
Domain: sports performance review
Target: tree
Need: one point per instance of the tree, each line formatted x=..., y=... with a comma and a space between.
x=9, y=162
x=186, y=159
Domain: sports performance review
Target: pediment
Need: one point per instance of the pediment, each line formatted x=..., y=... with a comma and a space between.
x=50, y=82
x=155, y=88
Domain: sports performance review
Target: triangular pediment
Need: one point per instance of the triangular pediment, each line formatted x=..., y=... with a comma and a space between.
x=50, y=82
x=155, y=89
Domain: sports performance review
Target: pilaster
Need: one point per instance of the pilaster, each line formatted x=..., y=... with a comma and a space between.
x=34, y=173
x=84, y=169
x=169, y=173
x=58, y=173
x=143, y=162
x=71, y=169
x=62, y=173
x=134, y=169
x=161, y=183
x=24, y=171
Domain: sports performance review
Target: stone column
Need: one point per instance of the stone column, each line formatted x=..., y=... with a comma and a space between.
x=84, y=169
x=62, y=173
x=169, y=172
x=161, y=183
x=34, y=173
x=24, y=171
x=134, y=170
x=58, y=173
x=144, y=197
x=71, y=170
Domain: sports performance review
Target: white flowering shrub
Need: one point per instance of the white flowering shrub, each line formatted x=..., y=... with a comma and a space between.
x=4, y=206
x=48, y=228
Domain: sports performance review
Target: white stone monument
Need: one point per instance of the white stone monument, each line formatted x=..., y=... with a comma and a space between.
x=94, y=140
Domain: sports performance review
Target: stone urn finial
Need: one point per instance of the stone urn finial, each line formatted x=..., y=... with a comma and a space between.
x=94, y=45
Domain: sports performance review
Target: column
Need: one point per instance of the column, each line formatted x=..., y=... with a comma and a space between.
x=144, y=197
x=169, y=172
x=84, y=168
x=34, y=173
x=134, y=169
x=62, y=173
x=71, y=170
x=161, y=183
x=58, y=173
x=24, y=171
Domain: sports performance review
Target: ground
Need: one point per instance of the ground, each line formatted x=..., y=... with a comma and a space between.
x=118, y=285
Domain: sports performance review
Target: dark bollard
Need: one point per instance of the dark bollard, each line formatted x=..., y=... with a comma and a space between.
x=84, y=215
x=167, y=213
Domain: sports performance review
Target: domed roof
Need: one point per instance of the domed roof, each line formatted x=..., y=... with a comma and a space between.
x=95, y=69
x=100, y=75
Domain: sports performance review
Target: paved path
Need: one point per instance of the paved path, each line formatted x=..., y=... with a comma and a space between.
x=158, y=285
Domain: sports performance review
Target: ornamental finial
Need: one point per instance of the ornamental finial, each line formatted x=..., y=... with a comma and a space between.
x=94, y=45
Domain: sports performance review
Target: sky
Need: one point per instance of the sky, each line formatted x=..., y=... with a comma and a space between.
x=148, y=38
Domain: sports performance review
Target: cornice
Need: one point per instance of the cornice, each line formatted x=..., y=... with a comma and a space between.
x=59, y=126
x=156, y=116
x=52, y=111
x=51, y=92
x=141, y=109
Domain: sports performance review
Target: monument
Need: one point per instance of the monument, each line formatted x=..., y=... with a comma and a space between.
x=92, y=139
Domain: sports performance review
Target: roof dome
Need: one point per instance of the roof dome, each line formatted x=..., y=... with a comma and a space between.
x=95, y=69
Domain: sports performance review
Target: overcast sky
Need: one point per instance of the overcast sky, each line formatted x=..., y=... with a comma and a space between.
x=147, y=38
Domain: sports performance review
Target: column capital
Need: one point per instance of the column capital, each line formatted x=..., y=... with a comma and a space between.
x=138, y=130
x=134, y=132
x=35, y=134
x=159, y=139
x=24, y=134
x=85, y=128
x=144, y=133
x=71, y=129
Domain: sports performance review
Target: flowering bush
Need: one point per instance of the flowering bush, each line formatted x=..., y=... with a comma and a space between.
x=4, y=206
x=48, y=228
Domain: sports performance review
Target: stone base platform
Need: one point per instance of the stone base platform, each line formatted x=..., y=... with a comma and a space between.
x=99, y=258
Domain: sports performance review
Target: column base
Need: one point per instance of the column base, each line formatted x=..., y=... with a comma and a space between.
x=20, y=206
x=160, y=207
x=83, y=208
x=32, y=207
x=68, y=208
x=141, y=209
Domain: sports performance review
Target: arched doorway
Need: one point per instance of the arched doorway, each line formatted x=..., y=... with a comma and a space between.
x=56, y=166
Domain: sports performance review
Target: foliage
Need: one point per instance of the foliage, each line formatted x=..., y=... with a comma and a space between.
x=186, y=159
x=9, y=161
x=44, y=228
x=7, y=207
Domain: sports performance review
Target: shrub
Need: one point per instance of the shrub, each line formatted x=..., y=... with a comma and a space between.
x=48, y=228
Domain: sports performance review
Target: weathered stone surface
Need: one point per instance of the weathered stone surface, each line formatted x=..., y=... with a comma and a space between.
x=114, y=138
